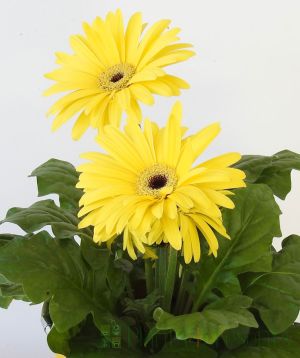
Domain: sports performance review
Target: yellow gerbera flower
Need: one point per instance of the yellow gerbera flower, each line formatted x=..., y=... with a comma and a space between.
x=112, y=69
x=147, y=188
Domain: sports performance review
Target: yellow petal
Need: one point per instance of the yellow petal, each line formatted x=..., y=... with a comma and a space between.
x=222, y=161
x=139, y=141
x=196, y=195
x=158, y=87
x=142, y=93
x=105, y=35
x=219, y=198
x=134, y=111
x=176, y=81
x=132, y=37
x=186, y=158
x=216, y=224
x=172, y=136
x=150, y=137
x=171, y=231
x=151, y=35
x=208, y=233
x=202, y=139
x=161, y=42
x=170, y=208
x=182, y=200
x=123, y=97
x=172, y=58
x=115, y=113
x=68, y=112
x=115, y=22
x=158, y=209
x=145, y=75
x=127, y=244
x=187, y=245
x=81, y=125
x=71, y=98
x=194, y=238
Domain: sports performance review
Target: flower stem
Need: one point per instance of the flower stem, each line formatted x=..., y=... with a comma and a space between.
x=181, y=293
x=149, y=274
x=169, y=279
x=161, y=270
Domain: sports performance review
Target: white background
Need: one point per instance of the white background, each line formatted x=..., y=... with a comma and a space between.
x=246, y=75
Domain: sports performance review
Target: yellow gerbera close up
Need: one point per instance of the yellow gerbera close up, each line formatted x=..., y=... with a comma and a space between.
x=147, y=188
x=112, y=69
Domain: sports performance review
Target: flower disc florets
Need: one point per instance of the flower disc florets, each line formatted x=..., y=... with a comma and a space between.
x=157, y=181
x=116, y=77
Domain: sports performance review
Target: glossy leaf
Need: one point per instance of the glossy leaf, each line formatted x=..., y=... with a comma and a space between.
x=58, y=177
x=59, y=341
x=46, y=212
x=234, y=338
x=54, y=269
x=252, y=226
x=208, y=325
x=274, y=171
x=184, y=349
x=285, y=345
x=276, y=294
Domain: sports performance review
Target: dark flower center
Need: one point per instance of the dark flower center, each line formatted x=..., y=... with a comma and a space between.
x=117, y=77
x=157, y=181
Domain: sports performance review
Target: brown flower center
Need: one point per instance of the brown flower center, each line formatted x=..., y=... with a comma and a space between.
x=117, y=77
x=157, y=181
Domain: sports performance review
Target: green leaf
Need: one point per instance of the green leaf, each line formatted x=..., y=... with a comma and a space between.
x=208, y=325
x=63, y=223
x=152, y=333
x=95, y=256
x=142, y=308
x=285, y=345
x=13, y=290
x=116, y=278
x=229, y=284
x=252, y=226
x=9, y=290
x=106, y=353
x=262, y=264
x=275, y=171
x=276, y=294
x=59, y=341
x=234, y=338
x=5, y=301
x=6, y=238
x=58, y=177
x=110, y=346
x=54, y=269
x=184, y=349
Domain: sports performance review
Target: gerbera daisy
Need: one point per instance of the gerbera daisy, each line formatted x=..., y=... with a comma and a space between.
x=112, y=69
x=147, y=188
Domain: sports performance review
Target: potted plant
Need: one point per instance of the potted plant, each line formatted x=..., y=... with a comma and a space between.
x=150, y=254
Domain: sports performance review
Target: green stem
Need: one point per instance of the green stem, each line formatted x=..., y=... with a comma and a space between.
x=188, y=305
x=129, y=287
x=181, y=293
x=149, y=274
x=170, y=279
x=161, y=270
x=209, y=283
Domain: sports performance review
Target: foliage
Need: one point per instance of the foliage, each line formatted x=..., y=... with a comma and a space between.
x=101, y=304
